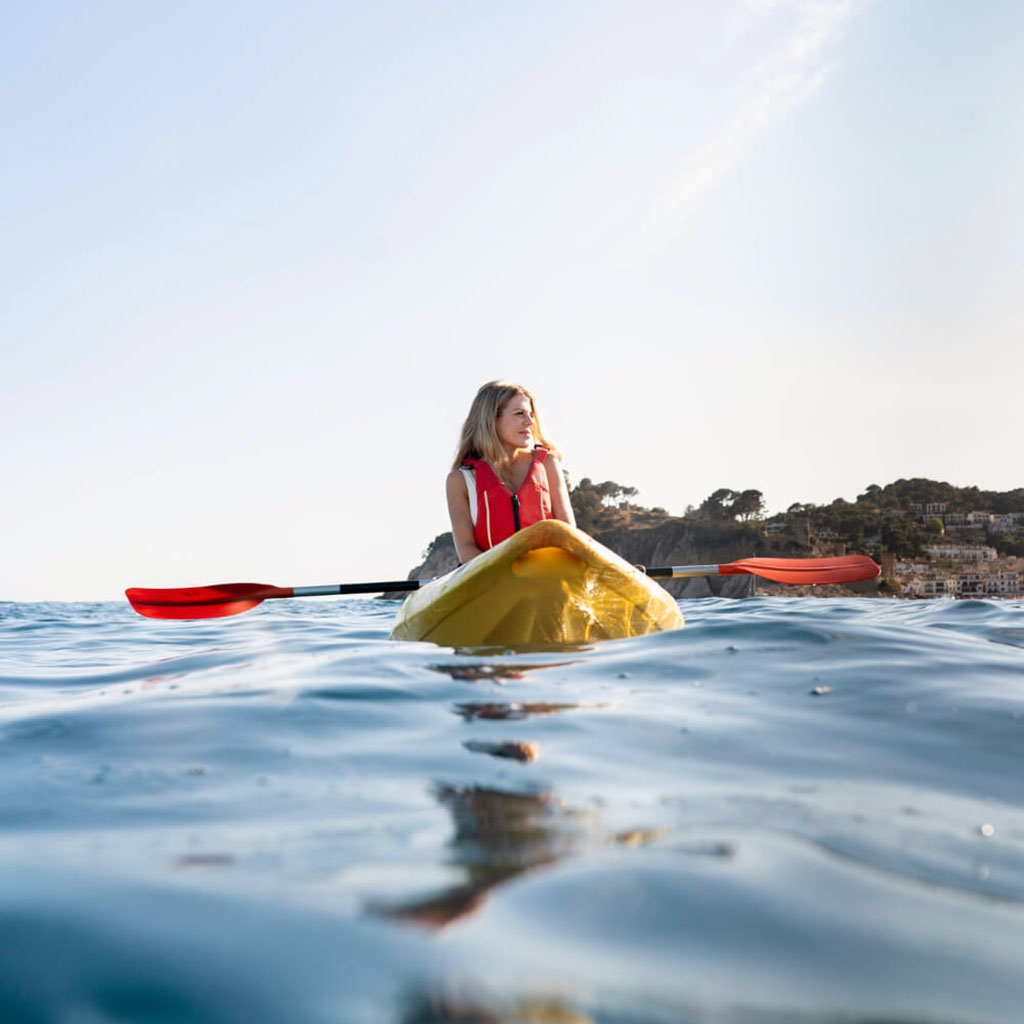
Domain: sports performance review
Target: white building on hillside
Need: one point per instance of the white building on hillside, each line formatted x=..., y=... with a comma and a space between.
x=972, y=583
x=962, y=552
x=1007, y=522
x=1005, y=584
x=912, y=568
x=929, y=509
x=929, y=586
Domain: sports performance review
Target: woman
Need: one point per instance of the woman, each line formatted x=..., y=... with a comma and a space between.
x=506, y=474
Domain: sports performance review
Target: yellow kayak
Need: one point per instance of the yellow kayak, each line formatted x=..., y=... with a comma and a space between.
x=547, y=584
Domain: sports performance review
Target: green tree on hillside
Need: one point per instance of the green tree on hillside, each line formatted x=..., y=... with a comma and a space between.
x=717, y=504
x=612, y=493
x=593, y=503
x=901, y=537
x=725, y=504
x=749, y=505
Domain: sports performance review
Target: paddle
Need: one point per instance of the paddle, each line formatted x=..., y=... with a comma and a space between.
x=844, y=569
x=234, y=598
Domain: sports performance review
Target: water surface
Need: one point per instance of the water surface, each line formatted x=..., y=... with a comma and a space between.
x=791, y=810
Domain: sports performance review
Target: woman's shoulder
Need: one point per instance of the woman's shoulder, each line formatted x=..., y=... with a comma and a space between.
x=459, y=493
x=552, y=469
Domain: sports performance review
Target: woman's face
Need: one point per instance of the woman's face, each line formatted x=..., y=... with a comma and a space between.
x=515, y=423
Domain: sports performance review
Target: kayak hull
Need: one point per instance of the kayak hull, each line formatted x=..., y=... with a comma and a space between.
x=547, y=585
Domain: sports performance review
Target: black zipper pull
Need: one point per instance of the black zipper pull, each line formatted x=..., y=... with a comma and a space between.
x=515, y=512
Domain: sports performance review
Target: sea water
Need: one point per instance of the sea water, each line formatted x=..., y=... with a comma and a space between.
x=792, y=810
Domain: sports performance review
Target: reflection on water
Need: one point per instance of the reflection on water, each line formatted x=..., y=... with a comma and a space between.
x=453, y=1008
x=496, y=671
x=482, y=672
x=513, y=750
x=514, y=710
x=498, y=835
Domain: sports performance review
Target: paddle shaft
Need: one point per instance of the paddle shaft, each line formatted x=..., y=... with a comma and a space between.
x=679, y=572
x=333, y=589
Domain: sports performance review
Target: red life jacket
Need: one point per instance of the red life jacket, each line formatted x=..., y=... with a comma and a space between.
x=499, y=512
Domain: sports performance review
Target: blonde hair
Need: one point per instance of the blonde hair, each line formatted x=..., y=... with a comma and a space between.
x=479, y=439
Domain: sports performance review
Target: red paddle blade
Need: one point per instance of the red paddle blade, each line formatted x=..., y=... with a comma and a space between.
x=845, y=569
x=201, y=602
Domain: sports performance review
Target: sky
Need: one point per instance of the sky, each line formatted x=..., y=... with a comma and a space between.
x=258, y=257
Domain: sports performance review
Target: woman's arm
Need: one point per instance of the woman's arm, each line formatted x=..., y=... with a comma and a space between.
x=458, y=512
x=561, y=508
